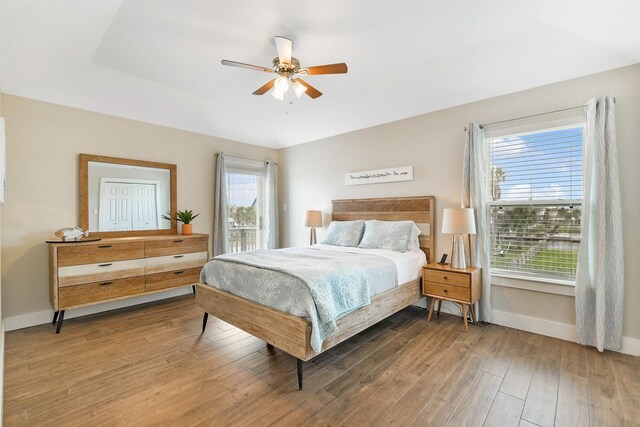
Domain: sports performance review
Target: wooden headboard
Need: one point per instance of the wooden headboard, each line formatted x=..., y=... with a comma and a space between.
x=419, y=209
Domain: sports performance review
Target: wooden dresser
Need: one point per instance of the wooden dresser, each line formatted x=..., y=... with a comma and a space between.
x=88, y=273
x=459, y=285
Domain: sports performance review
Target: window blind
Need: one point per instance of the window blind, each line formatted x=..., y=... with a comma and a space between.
x=534, y=190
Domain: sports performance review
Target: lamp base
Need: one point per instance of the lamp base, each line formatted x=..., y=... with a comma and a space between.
x=458, y=259
x=312, y=237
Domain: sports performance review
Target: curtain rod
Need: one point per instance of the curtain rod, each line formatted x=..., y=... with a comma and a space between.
x=482, y=125
x=247, y=158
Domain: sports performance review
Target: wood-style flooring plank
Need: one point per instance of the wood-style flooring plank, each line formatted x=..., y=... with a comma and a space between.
x=605, y=406
x=627, y=376
x=475, y=406
x=505, y=411
x=573, y=400
x=540, y=406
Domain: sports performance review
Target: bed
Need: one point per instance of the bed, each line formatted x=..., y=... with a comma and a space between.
x=293, y=334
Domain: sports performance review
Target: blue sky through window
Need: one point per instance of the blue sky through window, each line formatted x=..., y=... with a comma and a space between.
x=242, y=189
x=539, y=166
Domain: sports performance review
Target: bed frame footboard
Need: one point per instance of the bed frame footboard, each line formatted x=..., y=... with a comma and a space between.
x=291, y=333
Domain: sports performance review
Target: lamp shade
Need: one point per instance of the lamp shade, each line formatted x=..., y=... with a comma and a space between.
x=313, y=219
x=458, y=221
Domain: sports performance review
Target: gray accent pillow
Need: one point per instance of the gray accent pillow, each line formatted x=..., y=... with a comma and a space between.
x=344, y=233
x=392, y=235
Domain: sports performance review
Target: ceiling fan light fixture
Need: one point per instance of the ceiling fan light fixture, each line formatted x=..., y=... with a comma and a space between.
x=277, y=94
x=282, y=84
x=299, y=89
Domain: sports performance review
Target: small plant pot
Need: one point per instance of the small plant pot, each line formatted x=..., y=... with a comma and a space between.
x=187, y=228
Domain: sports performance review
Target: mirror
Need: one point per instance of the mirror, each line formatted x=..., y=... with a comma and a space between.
x=123, y=197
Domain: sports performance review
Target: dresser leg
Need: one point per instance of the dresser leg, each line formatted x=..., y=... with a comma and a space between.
x=439, y=307
x=204, y=321
x=270, y=346
x=60, y=322
x=300, y=368
x=431, y=304
x=193, y=288
x=473, y=314
x=55, y=317
x=464, y=317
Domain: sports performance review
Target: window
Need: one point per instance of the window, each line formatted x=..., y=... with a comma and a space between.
x=534, y=191
x=245, y=201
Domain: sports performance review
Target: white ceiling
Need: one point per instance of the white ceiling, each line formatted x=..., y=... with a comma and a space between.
x=159, y=61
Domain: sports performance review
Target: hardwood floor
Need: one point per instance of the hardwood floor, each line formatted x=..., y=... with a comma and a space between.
x=149, y=365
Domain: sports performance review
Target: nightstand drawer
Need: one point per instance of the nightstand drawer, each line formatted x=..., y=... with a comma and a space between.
x=447, y=291
x=447, y=277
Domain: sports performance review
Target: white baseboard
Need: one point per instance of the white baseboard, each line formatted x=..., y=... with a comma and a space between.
x=537, y=325
x=553, y=329
x=46, y=316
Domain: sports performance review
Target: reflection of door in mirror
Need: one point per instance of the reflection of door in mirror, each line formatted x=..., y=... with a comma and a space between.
x=127, y=198
x=245, y=196
x=128, y=204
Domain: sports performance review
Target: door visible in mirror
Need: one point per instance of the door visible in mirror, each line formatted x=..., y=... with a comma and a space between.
x=128, y=198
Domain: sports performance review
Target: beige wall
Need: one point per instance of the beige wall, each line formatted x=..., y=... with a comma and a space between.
x=43, y=143
x=312, y=174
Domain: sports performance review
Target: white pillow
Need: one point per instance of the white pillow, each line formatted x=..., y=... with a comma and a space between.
x=392, y=235
x=414, y=241
x=344, y=233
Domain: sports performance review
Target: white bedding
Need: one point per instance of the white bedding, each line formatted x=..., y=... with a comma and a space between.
x=409, y=264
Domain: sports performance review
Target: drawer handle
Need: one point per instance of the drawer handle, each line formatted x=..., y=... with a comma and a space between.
x=178, y=241
x=445, y=277
x=104, y=246
x=178, y=272
x=446, y=291
x=105, y=265
x=105, y=283
x=178, y=256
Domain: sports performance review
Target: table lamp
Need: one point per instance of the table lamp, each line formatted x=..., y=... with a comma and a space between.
x=313, y=219
x=458, y=221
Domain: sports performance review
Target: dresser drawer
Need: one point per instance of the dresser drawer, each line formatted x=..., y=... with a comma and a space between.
x=173, y=279
x=99, y=253
x=89, y=273
x=447, y=277
x=155, y=248
x=175, y=262
x=70, y=296
x=446, y=291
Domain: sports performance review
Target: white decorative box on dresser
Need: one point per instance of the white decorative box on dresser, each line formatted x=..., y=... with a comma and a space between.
x=89, y=273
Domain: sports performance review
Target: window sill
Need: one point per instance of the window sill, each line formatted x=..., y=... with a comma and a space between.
x=549, y=286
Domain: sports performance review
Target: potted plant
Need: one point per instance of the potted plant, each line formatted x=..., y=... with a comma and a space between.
x=185, y=217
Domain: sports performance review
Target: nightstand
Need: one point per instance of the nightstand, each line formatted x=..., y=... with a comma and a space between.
x=460, y=285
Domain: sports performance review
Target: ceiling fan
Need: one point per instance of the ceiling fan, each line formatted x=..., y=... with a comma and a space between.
x=288, y=68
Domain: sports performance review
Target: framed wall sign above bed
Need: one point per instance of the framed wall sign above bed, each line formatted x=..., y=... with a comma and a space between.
x=291, y=328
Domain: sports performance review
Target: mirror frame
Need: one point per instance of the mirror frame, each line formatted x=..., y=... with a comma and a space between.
x=84, y=194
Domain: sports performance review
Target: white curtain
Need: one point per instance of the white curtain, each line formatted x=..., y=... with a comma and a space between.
x=271, y=229
x=220, y=210
x=474, y=196
x=600, y=275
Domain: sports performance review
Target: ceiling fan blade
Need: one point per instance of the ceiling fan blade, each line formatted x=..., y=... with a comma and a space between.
x=340, y=68
x=249, y=66
x=265, y=88
x=284, y=47
x=311, y=91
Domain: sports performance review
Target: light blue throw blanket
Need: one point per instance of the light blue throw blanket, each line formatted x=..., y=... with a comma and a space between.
x=320, y=285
